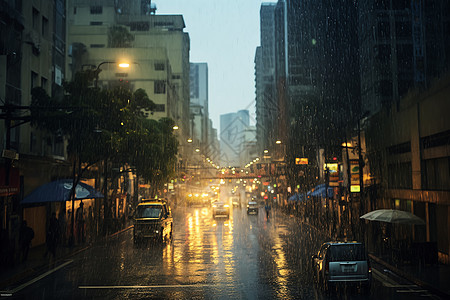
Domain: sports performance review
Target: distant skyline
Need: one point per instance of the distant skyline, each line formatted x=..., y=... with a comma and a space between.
x=223, y=34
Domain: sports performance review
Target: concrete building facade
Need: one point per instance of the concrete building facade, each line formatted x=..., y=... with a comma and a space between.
x=89, y=29
x=32, y=52
x=408, y=150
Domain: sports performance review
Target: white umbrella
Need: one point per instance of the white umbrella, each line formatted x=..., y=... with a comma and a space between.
x=393, y=216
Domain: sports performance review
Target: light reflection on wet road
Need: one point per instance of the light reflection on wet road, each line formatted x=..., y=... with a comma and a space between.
x=241, y=257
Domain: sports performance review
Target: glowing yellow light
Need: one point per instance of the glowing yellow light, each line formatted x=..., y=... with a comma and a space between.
x=175, y=127
x=124, y=65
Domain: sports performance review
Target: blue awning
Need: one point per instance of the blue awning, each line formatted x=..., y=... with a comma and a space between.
x=319, y=191
x=59, y=191
x=297, y=197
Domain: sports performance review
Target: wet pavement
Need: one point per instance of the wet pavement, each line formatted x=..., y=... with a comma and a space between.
x=243, y=257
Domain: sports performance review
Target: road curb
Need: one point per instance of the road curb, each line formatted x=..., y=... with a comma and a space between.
x=410, y=278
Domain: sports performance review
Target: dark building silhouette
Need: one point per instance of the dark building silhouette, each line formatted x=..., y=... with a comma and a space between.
x=403, y=45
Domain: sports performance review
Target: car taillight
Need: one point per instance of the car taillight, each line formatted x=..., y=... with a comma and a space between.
x=369, y=266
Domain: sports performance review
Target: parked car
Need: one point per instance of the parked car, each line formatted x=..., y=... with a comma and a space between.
x=252, y=208
x=220, y=208
x=152, y=220
x=342, y=263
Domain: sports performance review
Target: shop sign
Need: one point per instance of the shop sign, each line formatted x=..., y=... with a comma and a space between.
x=301, y=161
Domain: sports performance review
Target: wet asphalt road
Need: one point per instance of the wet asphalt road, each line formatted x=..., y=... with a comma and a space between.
x=241, y=257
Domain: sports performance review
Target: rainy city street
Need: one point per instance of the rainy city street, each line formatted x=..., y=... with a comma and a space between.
x=257, y=149
x=241, y=257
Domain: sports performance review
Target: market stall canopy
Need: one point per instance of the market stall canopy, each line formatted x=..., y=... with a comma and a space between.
x=319, y=191
x=59, y=191
x=297, y=197
x=393, y=216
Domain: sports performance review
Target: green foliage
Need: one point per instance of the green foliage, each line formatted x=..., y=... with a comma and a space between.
x=109, y=124
x=119, y=37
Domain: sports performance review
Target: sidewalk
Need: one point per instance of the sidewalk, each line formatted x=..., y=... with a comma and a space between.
x=37, y=262
x=435, y=278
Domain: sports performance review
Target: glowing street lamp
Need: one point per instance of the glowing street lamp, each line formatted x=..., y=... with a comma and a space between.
x=97, y=70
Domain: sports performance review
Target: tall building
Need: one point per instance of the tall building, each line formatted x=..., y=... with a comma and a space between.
x=165, y=77
x=266, y=104
x=316, y=79
x=233, y=127
x=403, y=45
x=199, y=103
x=32, y=52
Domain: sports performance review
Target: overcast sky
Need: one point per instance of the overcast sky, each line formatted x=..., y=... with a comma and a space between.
x=224, y=34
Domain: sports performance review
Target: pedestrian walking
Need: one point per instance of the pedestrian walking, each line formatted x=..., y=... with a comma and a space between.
x=267, y=207
x=26, y=234
x=53, y=235
x=79, y=221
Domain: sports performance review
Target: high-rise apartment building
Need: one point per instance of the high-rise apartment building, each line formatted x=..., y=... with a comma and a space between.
x=32, y=52
x=164, y=76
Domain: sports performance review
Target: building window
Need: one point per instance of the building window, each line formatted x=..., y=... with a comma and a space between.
x=160, y=66
x=436, y=174
x=400, y=148
x=95, y=23
x=140, y=26
x=35, y=19
x=44, y=83
x=163, y=24
x=97, y=45
x=74, y=10
x=160, y=108
x=436, y=140
x=44, y=27
x=160, y=87
x=96, y=10
x=32, y=142
x=34, y=79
